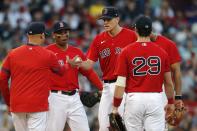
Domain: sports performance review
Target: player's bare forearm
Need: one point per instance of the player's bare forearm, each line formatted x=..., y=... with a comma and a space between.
x=88, y=64
x=78, y=62
x=177, y=78
x=169, y=90
x=119, y=91
x=177, y=84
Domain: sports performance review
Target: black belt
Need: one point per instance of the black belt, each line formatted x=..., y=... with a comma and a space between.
x=69, y=93
x=110, y=81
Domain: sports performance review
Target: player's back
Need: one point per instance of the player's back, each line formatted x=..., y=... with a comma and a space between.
x=147, y=63
x=29, y=66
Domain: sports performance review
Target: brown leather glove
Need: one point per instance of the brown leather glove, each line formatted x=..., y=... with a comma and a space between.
x=176, y=116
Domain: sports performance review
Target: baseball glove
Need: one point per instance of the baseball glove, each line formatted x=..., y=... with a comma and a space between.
x=176, y=117
x=90, y=99
x=116, y=122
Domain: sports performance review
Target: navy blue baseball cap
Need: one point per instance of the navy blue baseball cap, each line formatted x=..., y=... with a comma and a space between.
x=60, y=25
x=143, y=22
x=109, y=13
x=36, y=28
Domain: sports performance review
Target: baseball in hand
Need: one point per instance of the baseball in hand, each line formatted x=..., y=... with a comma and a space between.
x=78, y=59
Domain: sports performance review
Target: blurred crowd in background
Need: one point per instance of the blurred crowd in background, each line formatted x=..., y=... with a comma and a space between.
x=176, y=19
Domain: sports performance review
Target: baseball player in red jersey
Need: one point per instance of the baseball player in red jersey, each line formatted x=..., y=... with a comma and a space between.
x=28, y=67
x=106, y=47
x=142, y=68
x=64, y=100
x=175, y=59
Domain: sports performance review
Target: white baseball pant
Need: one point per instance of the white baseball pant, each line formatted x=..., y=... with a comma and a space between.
x=105, y=107
x=65, y=108
x=144, y=111
x=165, y=102
x=30, y=121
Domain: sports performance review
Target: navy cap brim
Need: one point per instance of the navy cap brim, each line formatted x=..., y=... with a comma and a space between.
x=63, y=28
x=46, y=33
x=106, y=17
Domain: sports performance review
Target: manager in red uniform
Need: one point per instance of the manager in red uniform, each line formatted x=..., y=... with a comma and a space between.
x=143, y=67
x=65, y=105
x=28, y=67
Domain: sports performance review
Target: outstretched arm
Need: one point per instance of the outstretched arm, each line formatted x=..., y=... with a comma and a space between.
x=55, y=66
x=88, y=64
x=92, y=77
x=78, y=62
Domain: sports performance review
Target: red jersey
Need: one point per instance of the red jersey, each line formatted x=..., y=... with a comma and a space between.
x=107, y=48
x=69, y=81
x=170, y=47
x=29, y=68
x=144, y=65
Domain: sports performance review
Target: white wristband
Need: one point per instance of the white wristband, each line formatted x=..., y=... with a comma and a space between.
x=121, y=81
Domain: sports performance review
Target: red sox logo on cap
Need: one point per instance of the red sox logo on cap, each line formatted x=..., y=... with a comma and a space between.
x=105, y=11
x=61, y=24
